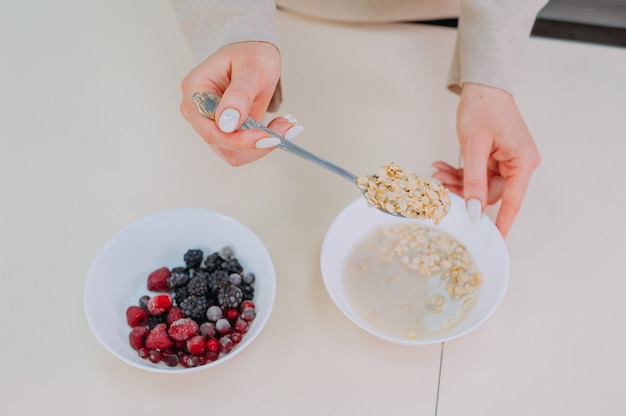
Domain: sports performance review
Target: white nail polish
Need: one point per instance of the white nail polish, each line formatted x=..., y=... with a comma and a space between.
x=229, y=120
x=474, y=209
x=290, y=118
x=293, y=132
x=267, y=142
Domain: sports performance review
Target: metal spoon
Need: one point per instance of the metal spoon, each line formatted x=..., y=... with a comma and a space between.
x=207, y=103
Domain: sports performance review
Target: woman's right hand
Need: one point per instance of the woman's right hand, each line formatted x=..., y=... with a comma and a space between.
x=245, y=74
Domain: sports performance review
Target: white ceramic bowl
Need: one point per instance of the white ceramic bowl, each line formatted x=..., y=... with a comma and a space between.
x=482, y=239
x=118, y=276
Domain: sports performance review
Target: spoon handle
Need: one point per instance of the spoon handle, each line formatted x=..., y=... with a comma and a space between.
x=207, y=103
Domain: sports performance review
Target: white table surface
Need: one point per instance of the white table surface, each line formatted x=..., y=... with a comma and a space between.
x=91, y=139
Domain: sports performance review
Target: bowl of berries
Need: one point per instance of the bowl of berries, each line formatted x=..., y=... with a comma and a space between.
x=180, y=290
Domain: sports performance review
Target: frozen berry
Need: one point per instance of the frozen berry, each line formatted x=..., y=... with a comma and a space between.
x=171, y=360
x=226, y=344
x=195, y=307
x=159, y=304
x=230, y=297
x=155, y=356
x=241, y=326
x=174, y=314
x=183, y=329
x=232, y=314
x=211, y=355
x=218, y=280
x=155, y=320
x=143, y=352
x=136, y=316
x=236, y=337
x=214, y=313
x=199, y=285
x=207, y=329
x=248, y=291
x=143, y=302
x=248, y=314
x=213, y=345
x=157, y=280
x=231, y=266
x=235, y=278
x=196, y=345
x=178, y=278
x=226, y=252
x=223, y=326
x=158, y=339
x=249, y=278
x=212, y=262
x=189, y=361
x=246, y=304
x=193, y=258
x=137, y=337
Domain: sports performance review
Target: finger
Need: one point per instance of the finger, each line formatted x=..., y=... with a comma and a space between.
x=512, y=196
x=475, y=157
x=445, y=167
x=236, y=102
x=285, y=127
x=449, y=178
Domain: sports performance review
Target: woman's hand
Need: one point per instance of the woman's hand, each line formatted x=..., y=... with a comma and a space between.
x=245, y=74
x=499, y=154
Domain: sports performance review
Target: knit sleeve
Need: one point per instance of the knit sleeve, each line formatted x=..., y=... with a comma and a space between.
x=211, y=24
x=491, y=39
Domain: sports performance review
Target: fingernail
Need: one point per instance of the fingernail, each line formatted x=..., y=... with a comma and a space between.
x=267, y=142
x=474, y=209
x=293, y=132
x=291, y=118
x=229, y=120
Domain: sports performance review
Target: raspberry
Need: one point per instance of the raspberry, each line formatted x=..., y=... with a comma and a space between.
x=212, y=345
x=193, y=258
x=159, y=304
x=158, y=339
x=174, y=314
x=157, y=280
x=137, y=337
x=196, y=344
x=136, y=316
x=183, y=329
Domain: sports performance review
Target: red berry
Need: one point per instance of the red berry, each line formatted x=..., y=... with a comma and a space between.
x=208, y=329
x=212, y=345
x=223, y=326
x=211, y=355
x=226, y=344
x=174, y=314
x=248, y=314
x=196, y=345
x=155, y=356
x=232, y=314
x=246, y=304
x=159, y=304
x=171, y=360
x=241, y=326
x=136, y=316
x=183, y=329
x=236, y=337
x=158, y=339
x=157, y=280
x=137, y=337
x=188, y=361
x=143, y=352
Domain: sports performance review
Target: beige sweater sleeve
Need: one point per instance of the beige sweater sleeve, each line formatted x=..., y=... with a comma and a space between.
x=210, y=24
x=491, y=39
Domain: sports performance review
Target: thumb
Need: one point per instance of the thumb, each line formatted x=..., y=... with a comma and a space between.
x=475, y=182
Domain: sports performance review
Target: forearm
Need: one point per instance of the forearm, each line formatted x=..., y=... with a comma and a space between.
x=211, y=24
x=492, y=36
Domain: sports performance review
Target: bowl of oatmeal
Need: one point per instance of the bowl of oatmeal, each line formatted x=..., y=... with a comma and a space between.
x=411, y=281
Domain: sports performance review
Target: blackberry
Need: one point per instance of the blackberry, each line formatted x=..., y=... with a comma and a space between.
x=217, y=280
x=178, y=278
x=231, y=266
x=195, y=307
x=247, y=290
x=230, y=296
x=193, y=258
x=198, y=286
x=180, y=294
x=212, y=262
x=154, y=320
